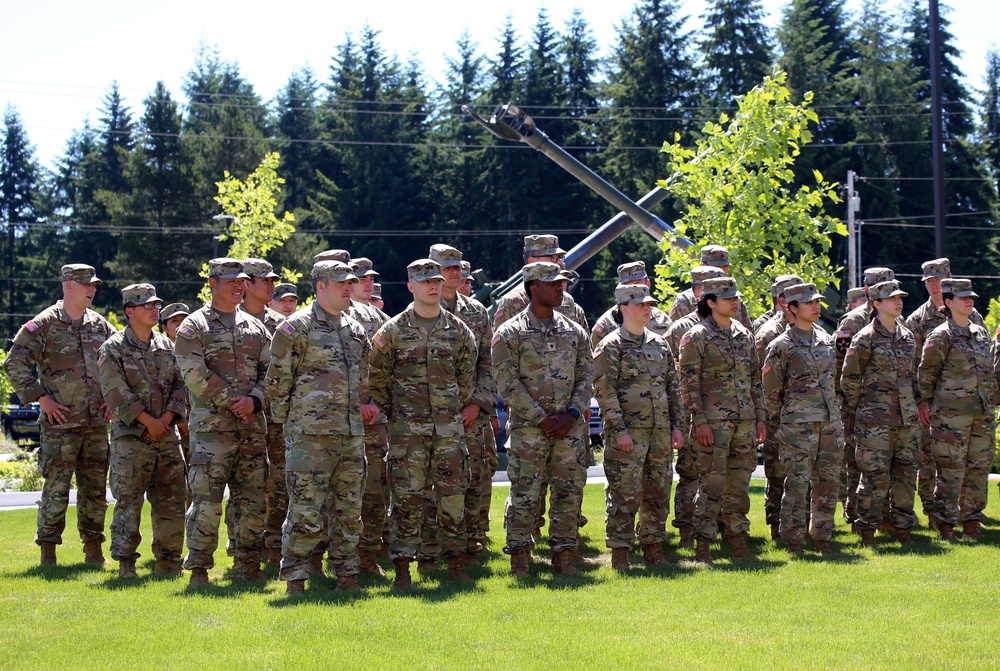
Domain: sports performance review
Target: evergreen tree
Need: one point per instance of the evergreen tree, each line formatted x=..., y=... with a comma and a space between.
x=736, y=49
x=297, y=130
x=18, y=185
x=990, y=115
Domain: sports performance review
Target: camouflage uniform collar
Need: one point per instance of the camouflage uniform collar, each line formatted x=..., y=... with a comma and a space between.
x=714, y=326
x=411, y=318
x=537, y=324
x=884, y=332
x=319, y=314
x=637, y=339
x=134, y=340
x=801, y=337
x=88, y=314
x=216, y=315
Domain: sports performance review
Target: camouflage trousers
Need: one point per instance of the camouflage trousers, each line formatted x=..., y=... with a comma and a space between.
x=687, y=485
x=156, y=470
x=277, y=490
x=325, y=476
x=64, y=453
x=774, y=484
x=220, y=458
x=850, y=474
x=811, y=455
x=926, y=471
x=531, y=457
x=375, y=504
x=886, y=457
x=185, y=443
x=724, y=470
x=638, y=483
x=414, y=464
x=490, y=463
x=963, y=451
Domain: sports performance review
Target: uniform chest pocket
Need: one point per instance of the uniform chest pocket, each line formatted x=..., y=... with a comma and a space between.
x=443, y=347
x=633, y=364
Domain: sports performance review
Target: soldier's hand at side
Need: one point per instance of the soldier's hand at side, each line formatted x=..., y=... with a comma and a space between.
x=107, y=412
x=156, y=429
x=677, y=439
x=703, y=433
x=242, y=407
x=369, y=412
x=183, y=428
x=625, y=443
x=495, y=423
x=924, y=411
x=469, y=414
x=761, y=432
x=548, y=425
x=564, y=422
x=586, y=414
x=54, y=411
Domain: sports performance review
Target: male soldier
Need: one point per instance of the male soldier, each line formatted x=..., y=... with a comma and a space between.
x=171, y=318
x=537, y=249
x=62, y=343
x=544, y=371
x=922, y=321
x=630, y=273
x=721, y=386
x=143, y=386
x=223, y=354
x=319, y=365
x=365, y=287
x=377, y=301
x=285, y=300
x=260, y=290
x=465, y=288
x=684, y=303
x=423, y=367
x=780, y=282
x=855, y=298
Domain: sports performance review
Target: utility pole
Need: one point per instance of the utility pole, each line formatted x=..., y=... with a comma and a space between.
x=852, y=248
x=937, y=129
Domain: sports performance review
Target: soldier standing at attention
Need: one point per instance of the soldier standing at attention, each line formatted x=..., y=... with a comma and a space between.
x=798, y=375
x=285, y=299
x=143, y=386
x=362, y=291
x=684, y=303
x=720, y=383
x=539, y=249
x=171, y=318
x=778, y=295
x=630, y=273
x=635, y=380
x=465, y=288
x=880, y=389
x=319, y=365
x=223, y=354
x=543, y=367
x=62, y=343
x=377, y=301
x=958, y=392
x=423, y=367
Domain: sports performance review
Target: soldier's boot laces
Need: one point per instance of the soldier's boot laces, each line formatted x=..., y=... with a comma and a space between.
x=972, y=530
x=619, y=559
x=48, y=554
x=687, y=538
x=456, y=568
x=274, y=557
x=126, y=569
x=295, y=587
x=947, y=532
x=739, y=547
x=92, y=553
x=775, y=534
x=703, y=554
x=519, y=564
x=199, y=576
x=402, y=566
x=316, y=566
x=369, y=564
x=652, y=554
x=562, y=562
x=868, y=539
x=425, y=565
x=168, y=566
x=903, y=536
x=347, y=583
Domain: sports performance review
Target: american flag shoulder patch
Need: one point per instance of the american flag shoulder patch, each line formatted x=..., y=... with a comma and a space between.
x=996, y=334
x=597, y=352
x=286, y=328
x=31, y=326
x=850, y=351
x=843, y=333
x=498, y=315
x=928, y=344
x=599, y=328
x=496, y=339
x=685, y=340
x=379, y=340
x=102, y=358
x=766, y=369
x=185, y=331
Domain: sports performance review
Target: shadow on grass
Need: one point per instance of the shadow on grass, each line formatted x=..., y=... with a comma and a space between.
x=60, y=572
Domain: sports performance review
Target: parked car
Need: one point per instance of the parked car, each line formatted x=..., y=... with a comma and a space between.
x=596, y=426
x=502, y=419
x=20, y=422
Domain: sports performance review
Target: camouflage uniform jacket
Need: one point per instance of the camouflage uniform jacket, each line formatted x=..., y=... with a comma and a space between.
x=270, y=318
x=720, y=373
x=635, y=380
x=763, y=319
x=678, y=329
x=317, y=371
x=659, y=324
x=474, y=315
x=956, y=372
x=137, y=377
x=421, y=380
x=516, y=301
x=65, y=355
x=798, y=378
x=218, y=364
x=879, y=379
x=685, y=303
x=370, y=317
x=926, y=318
x=847, y=328
x=542, y=370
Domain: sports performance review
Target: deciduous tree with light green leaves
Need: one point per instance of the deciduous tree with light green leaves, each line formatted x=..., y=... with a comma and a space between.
x=737, y=189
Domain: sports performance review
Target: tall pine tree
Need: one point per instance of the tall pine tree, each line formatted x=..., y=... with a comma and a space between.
x=736, y=49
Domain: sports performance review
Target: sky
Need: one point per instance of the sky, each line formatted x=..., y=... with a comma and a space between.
x=60, y=56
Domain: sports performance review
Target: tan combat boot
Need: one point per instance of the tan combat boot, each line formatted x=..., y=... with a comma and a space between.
x=932, y=524
x=947, y=532
x=369, y=564
x=402, y=565
x=903, y=536
x=562, y=562
x=295, y=587
x=796, y=548
x=199, y=576
x=703, y=554
x=687, y=538
x=316, y=566
x=456, y=568
x=425, y=565
x=92, y=553
x=274, y=557
x=347, y=583
x=519, y=564
x=619, y=559
x=740, y=549
x=168, y=566
x=126, y=569
x=48, y=553
x=652, y=555
x=868, y=539
x=824, y=547
x=470, y=558
x=972, y=530
x=775, y=533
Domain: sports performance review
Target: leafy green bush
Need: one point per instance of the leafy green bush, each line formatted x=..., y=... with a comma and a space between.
x=20, y=474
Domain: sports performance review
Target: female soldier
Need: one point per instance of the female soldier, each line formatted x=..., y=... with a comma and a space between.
x=957, y=393
x=880, y=390
x=636, y=385
x=798, y=375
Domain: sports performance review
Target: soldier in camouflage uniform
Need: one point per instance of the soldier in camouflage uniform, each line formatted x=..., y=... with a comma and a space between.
x=721, y=388
x=423, y=369
x=143, y=386
x=958, y=392
x=685, y=301
x=319, y=365
x=777, y=297
x=798, y=374
x=880, y=389
x=630, y=273
x=465, y=288
x=285, y=300
x=856, y=297
x=543, y=366
x=687, y=471
x=377, y=301
x=62, y=344
x=635, y=379
x=223, y=354
x=921, y=322
x=171, y=318
x=537, y=249
x=365, y=288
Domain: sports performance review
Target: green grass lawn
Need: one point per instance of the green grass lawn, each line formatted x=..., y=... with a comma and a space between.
x=934, y=606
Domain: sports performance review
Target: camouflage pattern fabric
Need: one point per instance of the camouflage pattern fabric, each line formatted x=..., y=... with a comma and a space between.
x=764, y=318
x=687, y=473
x=886, y=456
x=375, y=501
x=659, y=324
x=63, y=453
x=774, y=476
x=850, y=324
x=685, y=303
x=516, y=301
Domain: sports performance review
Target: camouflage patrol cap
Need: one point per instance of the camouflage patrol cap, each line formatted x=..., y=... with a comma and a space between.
x=466, y=270
x=259, y=268
x=782, y=282
x=285, y=289
x=80, y=273
x=802, y=293
x=139, y=294
x=720, y=287
x=173, y=310
x=958, y=288
x=701, y=273
x=446, y=255
x=543, y=271
x=335, y=271
x=884, y=290
x=875, y=275
x=855, y=294
x=363, y=267
x=714, y=255
x=935, y=268
x=542, y=245
x=423, y=270
x=227, y=269
x=341, y=255
x=376, y=290
x=632, y=272
x=633, y=293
